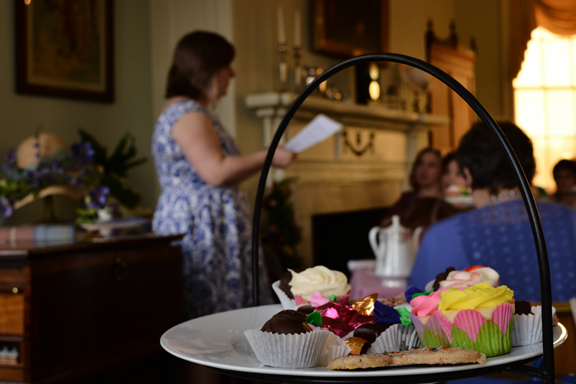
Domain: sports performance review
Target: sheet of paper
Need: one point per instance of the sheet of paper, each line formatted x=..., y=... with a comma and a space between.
x=319, y=129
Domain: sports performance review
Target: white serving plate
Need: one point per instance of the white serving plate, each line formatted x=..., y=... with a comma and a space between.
x=218, y=341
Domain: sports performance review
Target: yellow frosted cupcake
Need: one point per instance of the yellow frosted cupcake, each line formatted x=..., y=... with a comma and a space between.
x=479, y=317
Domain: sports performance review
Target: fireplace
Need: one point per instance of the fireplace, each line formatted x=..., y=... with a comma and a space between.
x=343, y=236
x=341, y=185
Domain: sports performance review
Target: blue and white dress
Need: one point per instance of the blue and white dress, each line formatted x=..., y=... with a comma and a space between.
x=216, y=248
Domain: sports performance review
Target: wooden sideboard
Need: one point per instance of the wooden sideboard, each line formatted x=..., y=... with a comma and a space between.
x=75, y=311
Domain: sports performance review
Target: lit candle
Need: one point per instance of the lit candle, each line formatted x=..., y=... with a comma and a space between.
x=297, y=29
x=281, y=37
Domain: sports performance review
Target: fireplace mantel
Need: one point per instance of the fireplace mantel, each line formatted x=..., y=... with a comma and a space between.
x=364, y=166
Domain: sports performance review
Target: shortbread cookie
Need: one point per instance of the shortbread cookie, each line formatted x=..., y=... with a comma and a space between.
x=439, y=355
x=376, y=360
x=424, y=356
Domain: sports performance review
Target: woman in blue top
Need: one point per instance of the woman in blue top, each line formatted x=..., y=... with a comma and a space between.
x=199, y=168
x=498, y=234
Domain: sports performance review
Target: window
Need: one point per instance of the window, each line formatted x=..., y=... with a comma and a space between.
x=545, y=96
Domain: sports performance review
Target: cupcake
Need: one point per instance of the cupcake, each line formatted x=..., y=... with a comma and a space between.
x=287, y=341
x=479, y=317
x=452, y=278
x=426, y=323
x=319, y=281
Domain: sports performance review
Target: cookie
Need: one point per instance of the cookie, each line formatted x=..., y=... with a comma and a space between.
x=376, y=360
x=439, y=355
x=423, y=356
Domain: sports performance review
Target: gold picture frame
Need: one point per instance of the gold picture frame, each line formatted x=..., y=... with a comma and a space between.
x=65, y=49
x=346, y=28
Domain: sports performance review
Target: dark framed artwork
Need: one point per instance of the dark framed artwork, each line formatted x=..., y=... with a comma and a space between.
x=347, y=28
x=64, y=48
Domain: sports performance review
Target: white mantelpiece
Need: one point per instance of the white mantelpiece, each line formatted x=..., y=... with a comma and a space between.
x=364, y=166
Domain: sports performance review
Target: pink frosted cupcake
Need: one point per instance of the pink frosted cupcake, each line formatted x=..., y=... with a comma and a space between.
x=428, y=327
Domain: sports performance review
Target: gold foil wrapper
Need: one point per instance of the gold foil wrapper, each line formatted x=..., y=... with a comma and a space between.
x=366, y=305
x=355, y=344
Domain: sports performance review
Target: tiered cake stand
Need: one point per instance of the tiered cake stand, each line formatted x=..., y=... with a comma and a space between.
x=217, y=341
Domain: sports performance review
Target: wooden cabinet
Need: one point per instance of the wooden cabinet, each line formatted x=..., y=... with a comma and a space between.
x=75, y=311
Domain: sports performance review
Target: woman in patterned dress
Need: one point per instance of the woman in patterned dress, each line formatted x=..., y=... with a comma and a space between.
x=199, y=168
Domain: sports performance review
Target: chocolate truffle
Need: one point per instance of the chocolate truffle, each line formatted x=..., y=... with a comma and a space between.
x=287, y=322
x=522, y=307
x=370, y=333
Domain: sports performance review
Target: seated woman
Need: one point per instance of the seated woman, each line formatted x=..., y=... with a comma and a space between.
x=564, y=173
x=454, y=185
x=498, y=233
x=423, y=205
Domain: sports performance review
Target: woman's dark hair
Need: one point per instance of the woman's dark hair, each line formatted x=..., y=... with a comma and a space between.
x=564, y=165
x=197, y=58
x=486, y=161
x=447, y=159
x=417, y=161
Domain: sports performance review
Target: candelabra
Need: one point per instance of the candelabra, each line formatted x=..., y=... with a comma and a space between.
x=297, y=69
x=282, y=66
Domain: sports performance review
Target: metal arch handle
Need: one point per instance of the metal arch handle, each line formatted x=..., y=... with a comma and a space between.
x=533, y=215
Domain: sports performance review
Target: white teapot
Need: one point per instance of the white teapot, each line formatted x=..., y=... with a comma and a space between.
x=395, y=248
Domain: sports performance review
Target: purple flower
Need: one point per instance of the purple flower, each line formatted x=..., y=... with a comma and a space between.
x=97, y=197
x=6, y=209
x=83, y=152
x=10, y=156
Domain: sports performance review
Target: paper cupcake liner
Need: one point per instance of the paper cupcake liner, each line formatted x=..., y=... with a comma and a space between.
x=431, y=333
x=287, y=303
x=528, y=328
x=471, y=330
x=396, y=338
x=334, y=347
x=287, y=351
x=489, y=340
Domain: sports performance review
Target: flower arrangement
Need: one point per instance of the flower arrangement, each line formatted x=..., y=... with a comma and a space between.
x=83, y=171
x=280, y=234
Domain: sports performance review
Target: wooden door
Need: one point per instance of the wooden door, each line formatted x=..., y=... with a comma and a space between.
x=457, y=61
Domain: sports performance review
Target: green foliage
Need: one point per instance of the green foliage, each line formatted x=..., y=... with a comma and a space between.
x=115, y=167
x=280, y=234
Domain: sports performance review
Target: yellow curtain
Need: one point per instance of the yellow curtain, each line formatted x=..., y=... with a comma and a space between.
x=522, y=23
x=557, y=16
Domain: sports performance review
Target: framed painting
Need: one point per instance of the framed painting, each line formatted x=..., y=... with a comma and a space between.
x=347, y=28
x=64, y=48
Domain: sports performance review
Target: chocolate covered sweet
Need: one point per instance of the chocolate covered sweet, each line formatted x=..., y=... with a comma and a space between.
x=522, y=307
x=370, y=333
x=287, y=322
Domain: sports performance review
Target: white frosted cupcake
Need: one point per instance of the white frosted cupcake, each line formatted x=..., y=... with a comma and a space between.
x=297, y=288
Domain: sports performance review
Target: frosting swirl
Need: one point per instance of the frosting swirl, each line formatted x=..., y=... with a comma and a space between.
x=482, y=295
x=425, y=305
x=469, y=277
x=320, y=279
